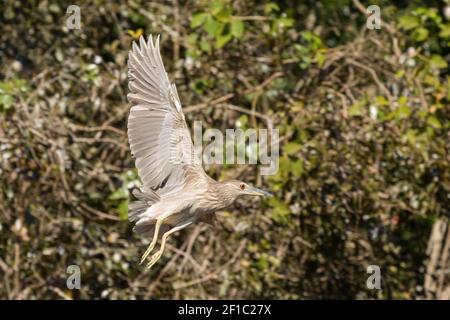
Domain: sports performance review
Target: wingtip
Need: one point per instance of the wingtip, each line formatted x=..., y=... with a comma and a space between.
x=149, y=39
x=141, y=43
x=135, y=48
x=157, y=43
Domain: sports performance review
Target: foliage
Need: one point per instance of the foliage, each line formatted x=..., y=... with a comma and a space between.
x=364, y=167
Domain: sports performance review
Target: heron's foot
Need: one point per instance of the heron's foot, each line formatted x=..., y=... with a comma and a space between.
x=147, y=252
x=154, y=259
x=153, y=243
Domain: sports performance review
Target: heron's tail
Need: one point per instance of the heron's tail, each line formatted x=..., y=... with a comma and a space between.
x=145, y=200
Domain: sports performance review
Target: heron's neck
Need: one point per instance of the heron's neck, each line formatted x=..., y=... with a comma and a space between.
x=223, y=196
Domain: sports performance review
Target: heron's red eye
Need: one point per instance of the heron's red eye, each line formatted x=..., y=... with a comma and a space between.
x=242, y=186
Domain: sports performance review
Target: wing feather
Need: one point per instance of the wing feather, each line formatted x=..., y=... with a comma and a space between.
x=158, y=135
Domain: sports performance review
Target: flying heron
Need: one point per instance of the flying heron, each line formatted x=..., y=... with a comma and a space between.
x=174, y=194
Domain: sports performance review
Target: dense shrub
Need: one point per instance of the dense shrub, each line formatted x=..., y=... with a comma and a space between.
x=363, y=173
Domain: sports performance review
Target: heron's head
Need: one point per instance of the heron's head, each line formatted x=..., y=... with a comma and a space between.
x=239, y=188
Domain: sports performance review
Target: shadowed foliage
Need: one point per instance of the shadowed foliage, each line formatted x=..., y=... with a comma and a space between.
x=364, y=164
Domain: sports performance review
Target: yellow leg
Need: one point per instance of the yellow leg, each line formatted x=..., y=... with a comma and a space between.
x=159, y=253
x=154, y=240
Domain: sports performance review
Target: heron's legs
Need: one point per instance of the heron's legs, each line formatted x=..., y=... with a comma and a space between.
x=154, y=240
x=159, y=253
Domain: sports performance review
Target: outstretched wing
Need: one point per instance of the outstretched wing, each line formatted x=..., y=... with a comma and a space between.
x=159, y=137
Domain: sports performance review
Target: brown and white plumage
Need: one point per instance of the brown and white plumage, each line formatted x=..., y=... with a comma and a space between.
x=176, y=190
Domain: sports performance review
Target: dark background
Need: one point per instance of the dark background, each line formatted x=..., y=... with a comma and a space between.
x=364, y=164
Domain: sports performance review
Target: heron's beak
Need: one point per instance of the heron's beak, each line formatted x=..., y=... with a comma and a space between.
x=258, y=192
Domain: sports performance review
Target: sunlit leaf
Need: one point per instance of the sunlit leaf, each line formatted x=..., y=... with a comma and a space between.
x=122, y=210
x=197, y=19
x=296, y=168
x=420, y=34
x=408, y=22
x=434, y=122
x=205, y=46
x=438, y=62
x=271, y=7
x=215, y=7
x=445, y=31
x=237, y=28
x=291, y=148
x=211, y=25
x=223, y=15
x=222, y=40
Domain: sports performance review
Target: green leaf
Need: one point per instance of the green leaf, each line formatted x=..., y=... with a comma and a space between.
x=122, y=210
x=420, y=34
x=242, y=121
x=448, y=88
x=445, y=31
x=222, y=40
x=262, y=262
x=381, y=101
x=399, y=74
x=6, y=87
x=280, y=211
x=192, y=39
x=237, y=28
x=319, y=58
x=285, y=164
x=291, y=148
x=410, y=136
x=305, y=62
x=223, y=15
x=437, y=62
x=205, y=46
x=270, y=7
x=296, y=168
x=211, y=25
x=403, y=112
x=282, y=23
x=215, y=7
x=356, y=108
x=118, y=194
x=307, y=35
x=434, y=122
x=192, y=53
x=197, y=19
x=6, y=100
x=408, y=22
